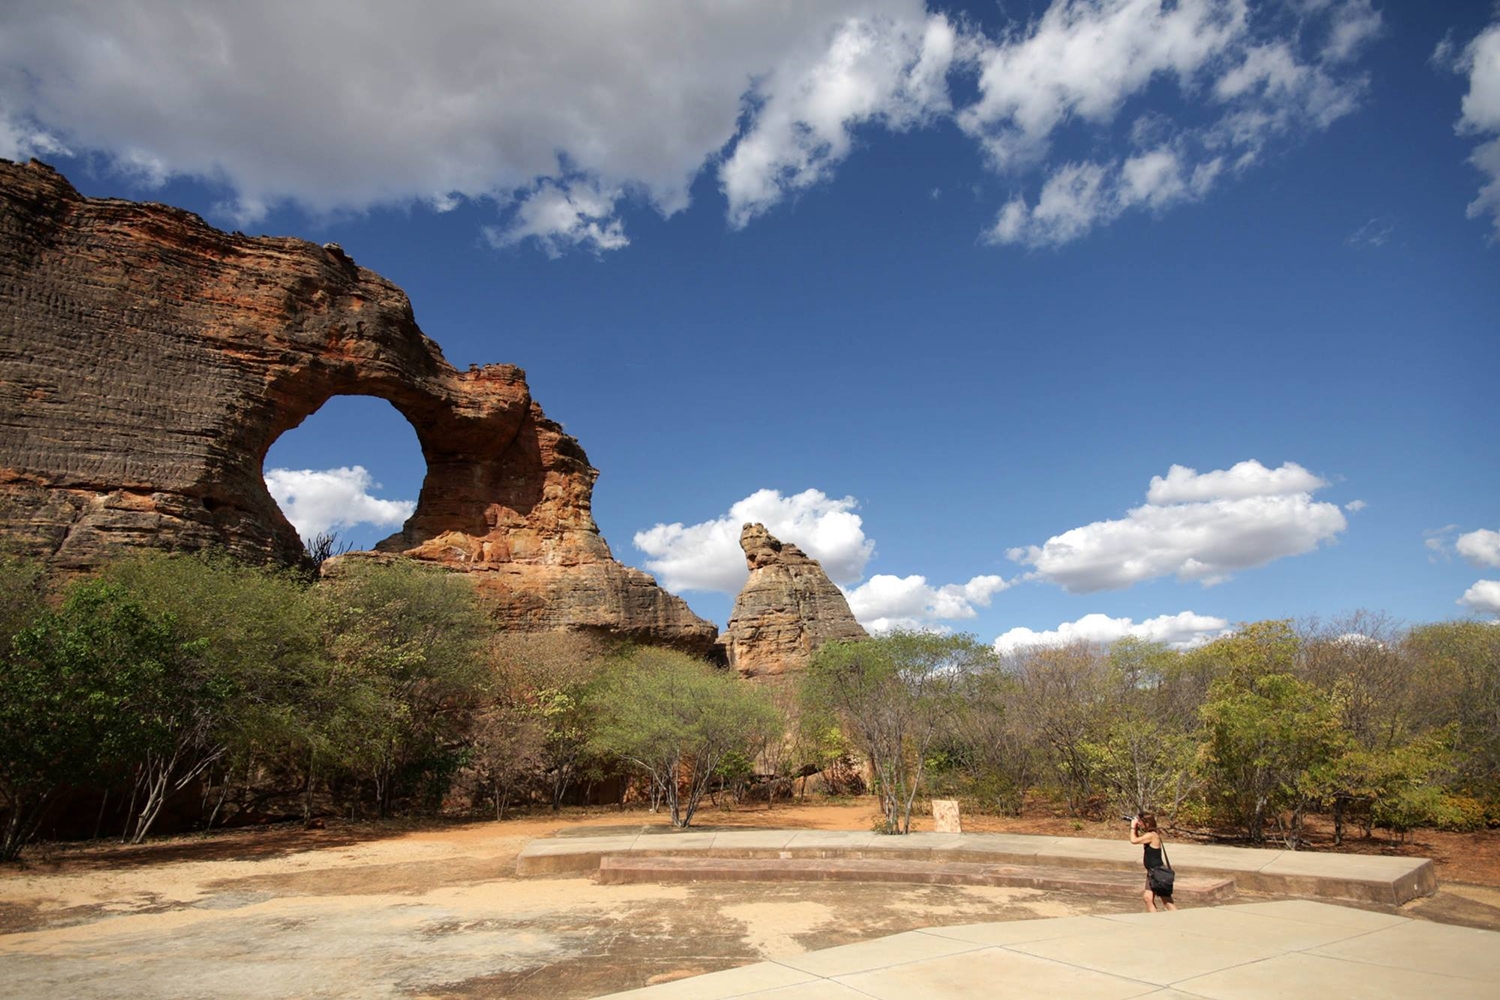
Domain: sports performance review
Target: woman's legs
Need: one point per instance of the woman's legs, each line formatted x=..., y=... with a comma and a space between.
x=1149, y=898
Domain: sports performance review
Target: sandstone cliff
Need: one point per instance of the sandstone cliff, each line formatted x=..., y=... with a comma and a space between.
x=148, y=362
x=786, y=610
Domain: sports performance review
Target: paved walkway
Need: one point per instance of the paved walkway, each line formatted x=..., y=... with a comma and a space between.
x=1354, y=877
x=1287, y=948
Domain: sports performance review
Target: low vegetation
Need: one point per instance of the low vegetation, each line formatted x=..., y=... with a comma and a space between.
x=191, y=691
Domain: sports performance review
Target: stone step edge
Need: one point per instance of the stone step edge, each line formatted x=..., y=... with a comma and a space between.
x=617, y=869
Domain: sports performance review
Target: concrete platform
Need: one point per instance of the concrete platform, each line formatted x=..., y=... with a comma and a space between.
x=1355, y=877
x=1288, y=948
x=615, y=870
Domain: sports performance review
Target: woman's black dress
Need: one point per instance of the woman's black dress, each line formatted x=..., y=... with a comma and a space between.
x=1153, y=860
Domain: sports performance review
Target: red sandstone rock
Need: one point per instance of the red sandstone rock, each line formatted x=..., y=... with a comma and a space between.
x=786, y=610
x=148, y=361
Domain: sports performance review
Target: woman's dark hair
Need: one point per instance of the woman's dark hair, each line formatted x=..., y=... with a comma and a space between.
x=1148, y=822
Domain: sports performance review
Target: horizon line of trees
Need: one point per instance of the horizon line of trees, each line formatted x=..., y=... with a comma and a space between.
x=197, y=691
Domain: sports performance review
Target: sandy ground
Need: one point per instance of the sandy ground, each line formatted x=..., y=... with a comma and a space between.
x=429, y=913
x=438, y=912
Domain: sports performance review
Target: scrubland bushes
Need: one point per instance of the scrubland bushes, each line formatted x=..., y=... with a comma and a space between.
x=1358, y=720
x=211, y=692
x=380, y=690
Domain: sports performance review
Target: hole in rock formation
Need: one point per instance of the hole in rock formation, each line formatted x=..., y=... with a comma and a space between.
x=354, y=468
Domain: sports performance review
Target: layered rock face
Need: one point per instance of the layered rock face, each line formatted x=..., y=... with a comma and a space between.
x=786, y=610
x=149, y=361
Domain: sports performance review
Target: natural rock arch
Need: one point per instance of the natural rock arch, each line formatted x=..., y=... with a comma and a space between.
x=150, y=361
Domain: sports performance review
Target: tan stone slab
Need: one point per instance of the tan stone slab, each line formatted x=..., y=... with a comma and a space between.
x=1019, y=931
x=1304, y=975
x=1341, y=865
x=678, y=867
x=1150, y=954
x=1236, y=859
x=568, y=854
x=983, y=973
x=1315, y=875
x=747, y=979
x=546, y=846
x=864, y=956
x=848, y=840
x=1323, y=913
x=1354, y=876
x=660, y=844
x=1234, y=924
x=818, y=989
x=753, y=840
x=1006, y=843
x=925, y=841
x=1440, y=949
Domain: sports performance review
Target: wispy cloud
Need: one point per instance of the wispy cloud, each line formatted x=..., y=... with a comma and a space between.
x=1376, y=232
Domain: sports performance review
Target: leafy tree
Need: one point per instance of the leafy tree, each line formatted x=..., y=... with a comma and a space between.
x=1358, y=659
x=23, y=593
x=507, y=742
x=89, y=690
x=1263, y=737
x=1061, y=701
x=261, y=637
x=994, y=748
x=1395, y=787
x=895, y=697
x=1142, y=763
x=1457, y=665
x=556, y=673
x=679, y=720
x=1254, y=650
x=407, y=645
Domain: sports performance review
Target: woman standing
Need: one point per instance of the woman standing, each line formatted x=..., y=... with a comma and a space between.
x=1143, y=831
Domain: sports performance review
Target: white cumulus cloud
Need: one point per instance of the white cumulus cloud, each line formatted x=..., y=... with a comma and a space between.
x=885, y=602
x=1480, y=114
x=1084, y=60
x=1483, y=596
x=878, y=69
x=344, y=104
x=707, y=555
x=1244, y=479
x=1184, y=630
x=1198, y=527
x=1482, y=547
x=561, y=215
x=319, y=500
x=559, y=114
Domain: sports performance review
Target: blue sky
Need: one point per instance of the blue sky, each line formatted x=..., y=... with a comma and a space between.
x=974, y=275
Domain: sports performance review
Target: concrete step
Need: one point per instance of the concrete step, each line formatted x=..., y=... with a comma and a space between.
x=618, y=870
x=1310, y=874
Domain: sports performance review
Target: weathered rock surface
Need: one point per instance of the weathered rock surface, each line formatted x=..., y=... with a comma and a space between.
x=149, y=361
x=786, y=610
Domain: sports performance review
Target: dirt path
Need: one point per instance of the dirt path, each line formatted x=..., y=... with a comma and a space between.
x=437, y=912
